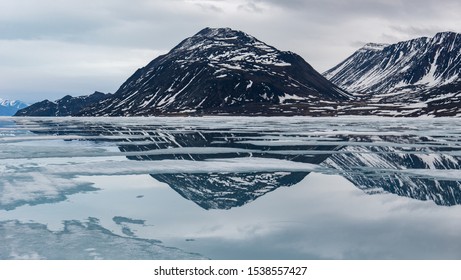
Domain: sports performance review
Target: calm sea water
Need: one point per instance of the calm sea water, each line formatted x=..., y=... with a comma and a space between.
x=230, y=188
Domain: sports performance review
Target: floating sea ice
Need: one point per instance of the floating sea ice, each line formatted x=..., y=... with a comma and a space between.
x=79, y=241
x=32, y=188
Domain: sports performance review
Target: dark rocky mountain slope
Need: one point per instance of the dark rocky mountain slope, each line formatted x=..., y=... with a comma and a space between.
x=410, y=78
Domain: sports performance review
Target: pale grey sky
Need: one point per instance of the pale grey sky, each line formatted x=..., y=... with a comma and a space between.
x=50, y=48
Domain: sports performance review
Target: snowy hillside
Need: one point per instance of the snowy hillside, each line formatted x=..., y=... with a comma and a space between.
x=411, y=78
x=407, y=66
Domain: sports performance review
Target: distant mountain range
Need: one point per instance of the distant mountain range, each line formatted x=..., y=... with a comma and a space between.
x=220, y=71
x=66, y=106
x=10, y=107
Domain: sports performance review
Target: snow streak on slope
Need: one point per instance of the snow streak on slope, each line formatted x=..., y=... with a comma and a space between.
x=420, y=77
x=411, y=66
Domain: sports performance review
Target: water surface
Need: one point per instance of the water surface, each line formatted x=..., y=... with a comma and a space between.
x=230, y=188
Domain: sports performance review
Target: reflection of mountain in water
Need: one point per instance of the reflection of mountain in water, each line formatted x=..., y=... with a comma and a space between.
x=224, y=190
x=375, y=164
x=372, y=168
x=378, y=169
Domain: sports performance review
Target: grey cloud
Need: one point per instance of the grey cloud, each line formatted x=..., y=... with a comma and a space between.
x=416, y=31
x=251, y=6
x=67, y=29
x=339, y=12
x=210, y=8
x=323, y=32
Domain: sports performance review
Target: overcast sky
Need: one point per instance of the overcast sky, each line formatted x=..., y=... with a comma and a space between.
x=50, y=48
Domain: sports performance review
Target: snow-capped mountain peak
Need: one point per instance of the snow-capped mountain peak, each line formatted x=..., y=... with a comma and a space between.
x=216, y=35
x=10, y=107
x=227, y=49
x=10, y=103
x=373, y=47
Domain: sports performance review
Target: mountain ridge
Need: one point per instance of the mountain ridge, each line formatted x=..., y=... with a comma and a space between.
x=66, y=106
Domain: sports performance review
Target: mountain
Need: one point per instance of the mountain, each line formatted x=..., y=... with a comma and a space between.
x=410, y=78
x=222, y=71
x=66, y=106
x=10, y=107
x=218, y=71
